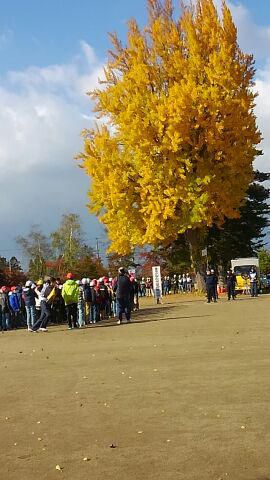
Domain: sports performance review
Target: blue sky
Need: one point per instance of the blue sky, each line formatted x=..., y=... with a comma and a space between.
x=52, y=52
x=46, y=32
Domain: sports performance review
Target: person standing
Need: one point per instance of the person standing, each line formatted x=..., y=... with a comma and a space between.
x=175, y=284
x=5, y=309
x=231, y=282
x=15, y=308
x=70, y=294
x=189, y=283
x=216, y=281
x=94, y=307
x=81, y=305
x=184, y=282
x=87, y=298
x=123, y=289
x=253, y=277
x=29, y=298
x=210, y=283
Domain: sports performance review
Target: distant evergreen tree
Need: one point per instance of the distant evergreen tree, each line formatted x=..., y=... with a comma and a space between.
x=242, y=237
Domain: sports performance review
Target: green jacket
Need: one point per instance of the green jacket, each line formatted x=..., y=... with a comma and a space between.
x=70, y=292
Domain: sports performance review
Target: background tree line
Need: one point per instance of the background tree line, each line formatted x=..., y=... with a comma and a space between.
x=61, y=251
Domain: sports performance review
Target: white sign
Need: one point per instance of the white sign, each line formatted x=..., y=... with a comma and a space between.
x=204, y=252
x=157, y=286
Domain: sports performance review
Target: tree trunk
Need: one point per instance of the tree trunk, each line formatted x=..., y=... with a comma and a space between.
x=195, y=239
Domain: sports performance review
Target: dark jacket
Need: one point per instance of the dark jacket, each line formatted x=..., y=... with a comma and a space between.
x=87, y=293
x=231, y=280
x=210, y=280
x=123, y=287
x=29, y=297
x=4, y=303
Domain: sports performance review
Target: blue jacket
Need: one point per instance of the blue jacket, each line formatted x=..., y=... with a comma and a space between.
x=14, y=302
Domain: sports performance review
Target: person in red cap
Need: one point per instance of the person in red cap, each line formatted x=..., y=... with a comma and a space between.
x=70, y=294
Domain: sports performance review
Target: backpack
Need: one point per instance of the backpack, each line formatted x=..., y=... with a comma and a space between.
x=70, y=292
x=87, y=294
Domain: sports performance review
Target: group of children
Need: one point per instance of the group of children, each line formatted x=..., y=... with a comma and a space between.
x=77, y=302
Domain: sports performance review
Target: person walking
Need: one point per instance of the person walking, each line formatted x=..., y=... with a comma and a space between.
x=70, y=294
x=47, y=296
x=123, y=289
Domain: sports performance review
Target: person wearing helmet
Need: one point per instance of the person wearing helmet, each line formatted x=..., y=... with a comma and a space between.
x=123, y=289
x=70, y=294
x=5, y=309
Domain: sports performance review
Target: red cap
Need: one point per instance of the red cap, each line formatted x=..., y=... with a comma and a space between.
x=70, y=276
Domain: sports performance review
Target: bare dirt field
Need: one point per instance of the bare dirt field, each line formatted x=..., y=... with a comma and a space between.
x=182, y=393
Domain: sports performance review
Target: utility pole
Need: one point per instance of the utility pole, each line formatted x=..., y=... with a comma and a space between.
x=97, y=249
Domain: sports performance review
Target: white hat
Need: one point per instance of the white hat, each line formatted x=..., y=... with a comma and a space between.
x=28, y=283
x=84, y=281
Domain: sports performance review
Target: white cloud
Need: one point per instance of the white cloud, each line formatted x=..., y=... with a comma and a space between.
x=43, y=111
x=253, y=38
x=263, y=114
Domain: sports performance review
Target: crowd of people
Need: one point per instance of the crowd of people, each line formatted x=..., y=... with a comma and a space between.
x=170, y=285
x=83, y=302
x=75, y=302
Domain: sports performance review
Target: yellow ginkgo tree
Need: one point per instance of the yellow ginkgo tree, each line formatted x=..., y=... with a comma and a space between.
x=173, y=149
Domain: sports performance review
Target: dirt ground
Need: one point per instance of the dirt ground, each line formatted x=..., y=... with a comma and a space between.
x=182, y=393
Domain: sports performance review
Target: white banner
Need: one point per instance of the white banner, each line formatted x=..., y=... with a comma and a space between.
x=157, y=286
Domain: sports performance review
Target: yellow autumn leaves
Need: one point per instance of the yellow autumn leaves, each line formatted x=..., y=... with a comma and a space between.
x=178, y=133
